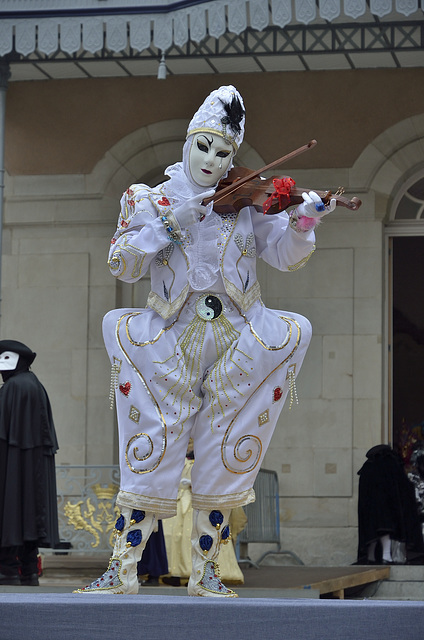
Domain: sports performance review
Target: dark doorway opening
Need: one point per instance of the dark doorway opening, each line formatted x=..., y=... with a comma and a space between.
x=408, y=343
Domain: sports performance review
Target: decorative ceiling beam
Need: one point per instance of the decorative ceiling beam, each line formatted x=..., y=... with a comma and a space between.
x=294, y=40
x=46, y=26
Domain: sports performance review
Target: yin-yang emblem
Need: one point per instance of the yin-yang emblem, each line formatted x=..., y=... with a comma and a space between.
x=209, y=307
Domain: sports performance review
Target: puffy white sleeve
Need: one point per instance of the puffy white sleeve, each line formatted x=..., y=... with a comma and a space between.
x=279, y=244
x=139, y=236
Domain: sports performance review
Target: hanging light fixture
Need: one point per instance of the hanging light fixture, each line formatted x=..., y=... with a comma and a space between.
x=162, y=68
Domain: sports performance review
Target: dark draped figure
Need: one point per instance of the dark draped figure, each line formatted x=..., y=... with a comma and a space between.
x=386, y=503
x=28, y=443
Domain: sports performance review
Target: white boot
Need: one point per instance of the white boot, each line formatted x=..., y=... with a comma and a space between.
x=132, y=530
x=210, y=528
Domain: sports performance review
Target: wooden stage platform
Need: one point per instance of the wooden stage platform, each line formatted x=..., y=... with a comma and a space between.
x=324, y=581
x=62, y=574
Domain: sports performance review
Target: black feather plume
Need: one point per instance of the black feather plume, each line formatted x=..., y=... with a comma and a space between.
x=234, y=114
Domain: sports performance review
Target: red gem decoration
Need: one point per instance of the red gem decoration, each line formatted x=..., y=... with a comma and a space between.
x=131, y=203
x=125, y=389
x=124, y=224
x=113, y=241
x=278, y=394
x=164, y=202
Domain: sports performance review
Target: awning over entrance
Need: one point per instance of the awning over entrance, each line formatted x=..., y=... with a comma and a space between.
x=205, y=31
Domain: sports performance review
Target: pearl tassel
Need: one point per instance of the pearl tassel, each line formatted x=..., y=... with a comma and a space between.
x=292, y=385
x=114, y=373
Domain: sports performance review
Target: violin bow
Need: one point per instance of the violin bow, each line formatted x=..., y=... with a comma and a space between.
x=239, y=183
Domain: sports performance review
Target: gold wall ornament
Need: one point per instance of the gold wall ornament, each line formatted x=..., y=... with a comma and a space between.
x=96, y=517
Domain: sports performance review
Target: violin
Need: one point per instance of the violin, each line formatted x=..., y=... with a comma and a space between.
x=244, y=187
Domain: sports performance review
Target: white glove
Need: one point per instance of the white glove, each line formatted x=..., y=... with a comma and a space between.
x=192, y=210
x=313, y=207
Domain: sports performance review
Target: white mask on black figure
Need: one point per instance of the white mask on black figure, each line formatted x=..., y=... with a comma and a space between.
x=8, y=360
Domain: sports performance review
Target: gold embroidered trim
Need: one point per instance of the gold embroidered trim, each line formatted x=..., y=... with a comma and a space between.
x=273, y=347
x=254, y=441
x=161, y=507
x=117, y=258
x=160, y=416
x=225, y=336
x=243, y=300
x=226, y=137
x=301, y=263
x=166, y=309
x=230, y=501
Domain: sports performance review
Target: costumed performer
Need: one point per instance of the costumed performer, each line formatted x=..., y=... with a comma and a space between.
x=206, y=359
x=28, y=443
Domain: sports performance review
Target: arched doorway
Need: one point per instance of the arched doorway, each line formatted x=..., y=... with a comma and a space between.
x=405, y=242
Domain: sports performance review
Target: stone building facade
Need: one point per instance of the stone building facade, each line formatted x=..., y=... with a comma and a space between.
x=74, y=145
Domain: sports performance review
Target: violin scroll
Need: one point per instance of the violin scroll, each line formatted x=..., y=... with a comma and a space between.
x=353, y=204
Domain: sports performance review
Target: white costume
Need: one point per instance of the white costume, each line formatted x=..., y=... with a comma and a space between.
x=206, y=359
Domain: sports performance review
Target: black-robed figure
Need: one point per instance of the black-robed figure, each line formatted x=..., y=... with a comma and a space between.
x=28, y=443
x=387, y=510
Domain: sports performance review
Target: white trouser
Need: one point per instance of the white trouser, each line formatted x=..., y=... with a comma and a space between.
x=211, y=374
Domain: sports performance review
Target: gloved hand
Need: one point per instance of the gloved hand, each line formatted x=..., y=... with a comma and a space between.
x=192, y=210
x=313, y=207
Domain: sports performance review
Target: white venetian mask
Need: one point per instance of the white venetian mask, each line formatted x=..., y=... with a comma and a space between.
x=8, y=360
x=209, y=158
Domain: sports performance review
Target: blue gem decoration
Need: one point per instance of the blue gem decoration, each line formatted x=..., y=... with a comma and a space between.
x=134, y=537
x=138, y=516
x=225, y=532
x=120, y=523
x=205, y=542
x=216, y=519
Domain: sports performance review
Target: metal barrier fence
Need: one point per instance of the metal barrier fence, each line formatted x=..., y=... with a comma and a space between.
x=87, y=512
x=263, y=520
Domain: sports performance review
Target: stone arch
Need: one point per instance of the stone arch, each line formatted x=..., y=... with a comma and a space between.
x=145, y=153
x=393, y=159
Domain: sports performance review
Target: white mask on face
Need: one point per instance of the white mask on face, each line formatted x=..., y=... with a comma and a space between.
x=209, y=159
x=8, y=360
